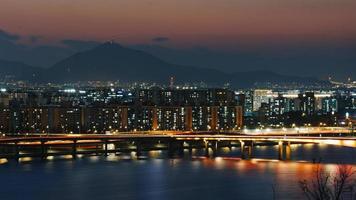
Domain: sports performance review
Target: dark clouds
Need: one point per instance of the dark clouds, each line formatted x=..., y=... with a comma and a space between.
x=38, y=55
x=160, y=39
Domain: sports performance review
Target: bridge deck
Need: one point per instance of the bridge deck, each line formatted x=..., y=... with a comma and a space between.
x=73, y=144
x=53, y=140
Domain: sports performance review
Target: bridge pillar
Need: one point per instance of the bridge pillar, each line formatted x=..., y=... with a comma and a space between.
x=215, y=148
x=288, y=151
x=242, y=143
x=17, y=152
x=43, y=150
x=116, y=146
x=280, y=150
x=229, y=145
x=172, y=147
x=138, y=149
x=74, y=149
x=106, y=148
x=250, y=150
x=97, y=149
x=180, y=148
x=206, y=146
x=190, y=147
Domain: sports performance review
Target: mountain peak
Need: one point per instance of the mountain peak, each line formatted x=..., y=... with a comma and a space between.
x=111, y=61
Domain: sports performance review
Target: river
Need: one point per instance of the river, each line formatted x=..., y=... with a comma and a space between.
x=160, y=178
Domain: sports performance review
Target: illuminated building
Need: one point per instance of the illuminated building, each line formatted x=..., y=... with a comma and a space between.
x=307, y=103
x=329, y=105
x=247, y=103
x=261, y=96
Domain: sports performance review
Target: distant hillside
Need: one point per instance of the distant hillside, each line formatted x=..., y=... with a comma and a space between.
x=20, y=71
x=249, y=78
x=111, y=61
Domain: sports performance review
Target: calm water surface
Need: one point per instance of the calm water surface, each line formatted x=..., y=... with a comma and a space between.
x=119, y=177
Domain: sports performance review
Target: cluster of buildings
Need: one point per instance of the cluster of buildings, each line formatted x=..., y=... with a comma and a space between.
x=104, y=110
x=108, y=108
x=294, y=107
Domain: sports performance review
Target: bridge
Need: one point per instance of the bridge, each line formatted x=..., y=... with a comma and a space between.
x=257, y=131
x=174, y=143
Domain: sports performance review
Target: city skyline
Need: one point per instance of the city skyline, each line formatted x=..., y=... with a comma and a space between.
x=177, y=99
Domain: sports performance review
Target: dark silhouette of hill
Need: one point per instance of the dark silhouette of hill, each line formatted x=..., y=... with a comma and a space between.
x=20, y=71
x=111, y=61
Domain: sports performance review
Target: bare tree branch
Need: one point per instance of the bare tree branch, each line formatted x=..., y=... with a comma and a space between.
x=324, y=186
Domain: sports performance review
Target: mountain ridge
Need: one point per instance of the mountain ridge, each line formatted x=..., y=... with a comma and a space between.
x=112, y=61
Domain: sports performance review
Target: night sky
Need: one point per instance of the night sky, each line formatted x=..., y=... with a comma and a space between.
x=231, y=35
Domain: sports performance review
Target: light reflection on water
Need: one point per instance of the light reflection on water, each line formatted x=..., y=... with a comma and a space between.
x=156, y=177
x=3, y=161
